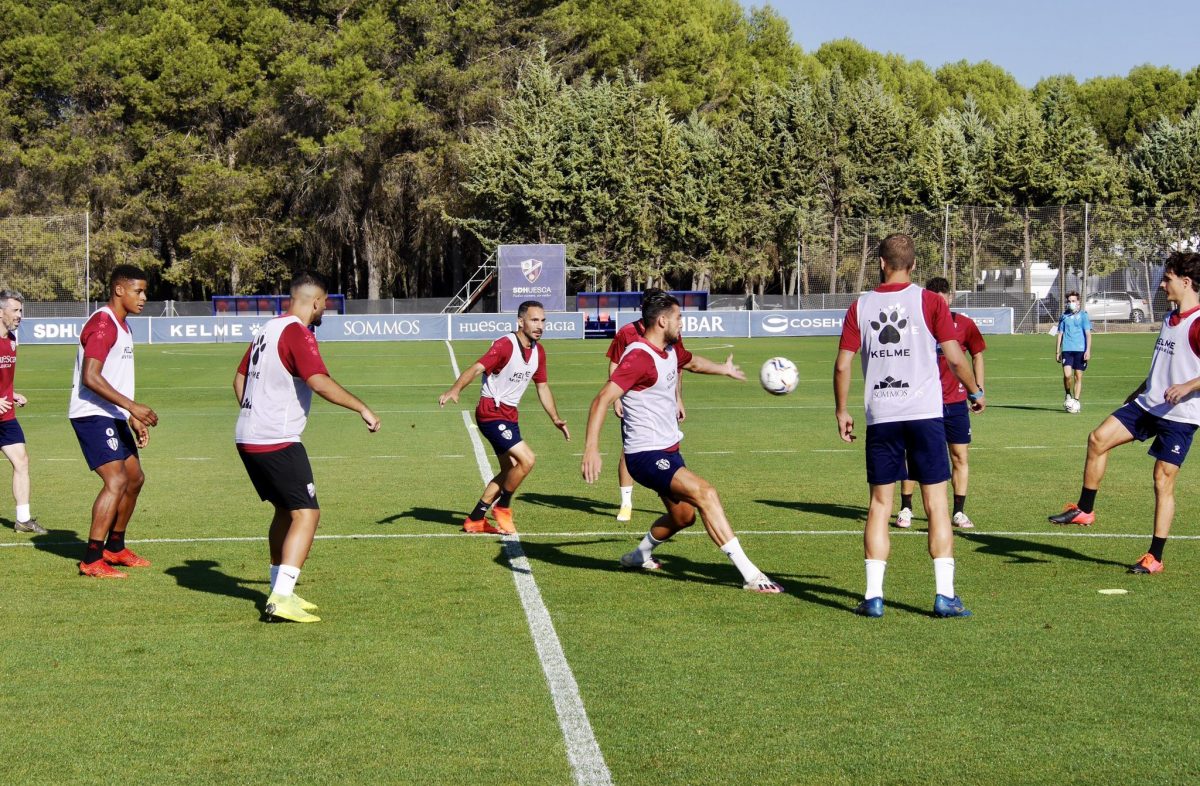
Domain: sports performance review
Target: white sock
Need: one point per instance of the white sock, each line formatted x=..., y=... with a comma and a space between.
x=274, y=575
x=23, y=513
x=648, y=544
x=285, y=582
x=943, y=575
x=748, y=569
x=875, y=570
x=626, y=496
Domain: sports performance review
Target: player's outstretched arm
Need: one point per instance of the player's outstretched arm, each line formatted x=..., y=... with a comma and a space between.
x=591, y=440
x=702, y=365
x=95, y=381
x=547, y=399
x=841, y=392
x=325, y=387
x=464, y=379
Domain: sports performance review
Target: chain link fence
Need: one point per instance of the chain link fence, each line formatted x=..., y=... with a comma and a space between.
x=45, y=258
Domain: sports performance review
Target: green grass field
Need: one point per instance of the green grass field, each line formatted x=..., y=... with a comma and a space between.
x=424, y=669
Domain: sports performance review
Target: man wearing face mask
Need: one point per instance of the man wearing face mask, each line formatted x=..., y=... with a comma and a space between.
x=1073, y=350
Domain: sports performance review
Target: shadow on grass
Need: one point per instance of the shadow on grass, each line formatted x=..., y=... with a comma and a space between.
x=804, y=588
x=579, y=504
x=202, y=575
x=832, y=509
x=427, y=515
x=64, y=543
x=1026, y=407
x=1026, y=552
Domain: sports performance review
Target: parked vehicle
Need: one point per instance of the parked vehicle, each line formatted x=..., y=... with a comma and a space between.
x=1118, y=306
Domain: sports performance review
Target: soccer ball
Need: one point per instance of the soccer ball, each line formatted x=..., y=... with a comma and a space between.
x=1072, y=406
x=779, y=376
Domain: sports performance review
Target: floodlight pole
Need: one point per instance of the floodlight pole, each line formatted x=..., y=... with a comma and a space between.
x=946, y=242
x=1087, y=246
x=87, y=259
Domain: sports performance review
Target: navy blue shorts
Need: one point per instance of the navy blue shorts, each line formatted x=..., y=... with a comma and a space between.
x=104, y=439
x=11, y=433
x=1074, y=360
x=907, y=449
x=956, y=418
x=655, y=468
x=1171, y=439
x=502, y=434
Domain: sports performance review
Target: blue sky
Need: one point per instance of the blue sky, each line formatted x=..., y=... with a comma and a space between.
x=1030, y=40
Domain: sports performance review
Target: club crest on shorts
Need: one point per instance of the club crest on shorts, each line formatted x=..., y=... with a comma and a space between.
x=312, y=490
x=532, y=269
x=504, y=432
x=111, y=442
x=663, y=464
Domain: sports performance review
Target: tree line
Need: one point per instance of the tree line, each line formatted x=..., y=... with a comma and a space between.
x=393, y=144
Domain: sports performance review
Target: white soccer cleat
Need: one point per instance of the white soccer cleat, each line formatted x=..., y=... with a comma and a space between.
x=904, y=518
x=761, y=583
x=633, y=561
x=625, y=513
x=961, y=521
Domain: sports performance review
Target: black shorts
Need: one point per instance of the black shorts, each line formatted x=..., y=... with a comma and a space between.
x=283, y=477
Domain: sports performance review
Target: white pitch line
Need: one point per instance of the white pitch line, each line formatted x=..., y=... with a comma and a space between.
x=612, y=534
x=583, y=752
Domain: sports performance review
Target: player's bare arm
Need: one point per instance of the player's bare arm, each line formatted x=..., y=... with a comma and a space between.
x=20, y=400
x=325, y=387
x=1087, y=346
x=680, y=412
x=1177, y=393
x=463, y=380
x=591, y=440
x=841, y=392
x=957, y=360
x=1058, y=347
x=95, y=381
x=5, y=405
x=239, y=386
x=618, y=410
x=547, y=399
x=702, y=365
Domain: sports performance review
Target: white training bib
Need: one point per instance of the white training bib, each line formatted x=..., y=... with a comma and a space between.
x=117, y=371
x=1173, y=363
x=651, y=419
x=899, y=357
x=275, y=404
x=508, y=384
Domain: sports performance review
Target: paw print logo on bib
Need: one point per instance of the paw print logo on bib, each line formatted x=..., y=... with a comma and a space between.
x=889, y=326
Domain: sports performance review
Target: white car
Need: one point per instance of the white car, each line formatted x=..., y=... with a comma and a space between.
x=1115, y=305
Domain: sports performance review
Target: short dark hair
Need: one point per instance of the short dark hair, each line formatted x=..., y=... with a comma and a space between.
x=654, y=303
x=125, y=273
x=528, y=304
x=938, y=285
x=308, y=278
x=1071, y=294
x=898, y=251
x=1185, y=264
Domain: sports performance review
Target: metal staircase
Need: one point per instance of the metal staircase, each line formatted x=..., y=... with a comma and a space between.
x=471, y=291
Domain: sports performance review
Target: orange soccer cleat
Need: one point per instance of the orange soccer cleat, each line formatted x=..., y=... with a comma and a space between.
x=1147, y=564
x=1073, y=515
x=125, y=558
x=504, y=520
x=480, y=526
x=100, y=570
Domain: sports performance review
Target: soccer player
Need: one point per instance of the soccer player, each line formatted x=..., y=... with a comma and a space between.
x=274, y=384
x=645, y=380
x=1165, y=406
x=634, y=331
x=955, y=412
x=111, y=427
x=898, y=327
x=1073, y=349
x=509, y=365
x=12, y=438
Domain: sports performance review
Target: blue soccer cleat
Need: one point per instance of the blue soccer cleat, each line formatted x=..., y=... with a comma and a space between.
x=949, y=607
x=871, y=607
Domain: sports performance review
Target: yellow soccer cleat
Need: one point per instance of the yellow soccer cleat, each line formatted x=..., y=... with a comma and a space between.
x=287, y=607
x=304, y=604
x=625, y=513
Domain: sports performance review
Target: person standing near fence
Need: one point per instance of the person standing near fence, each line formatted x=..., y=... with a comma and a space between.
x=12, y=438
x=111, y=427
x=1073, y=350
